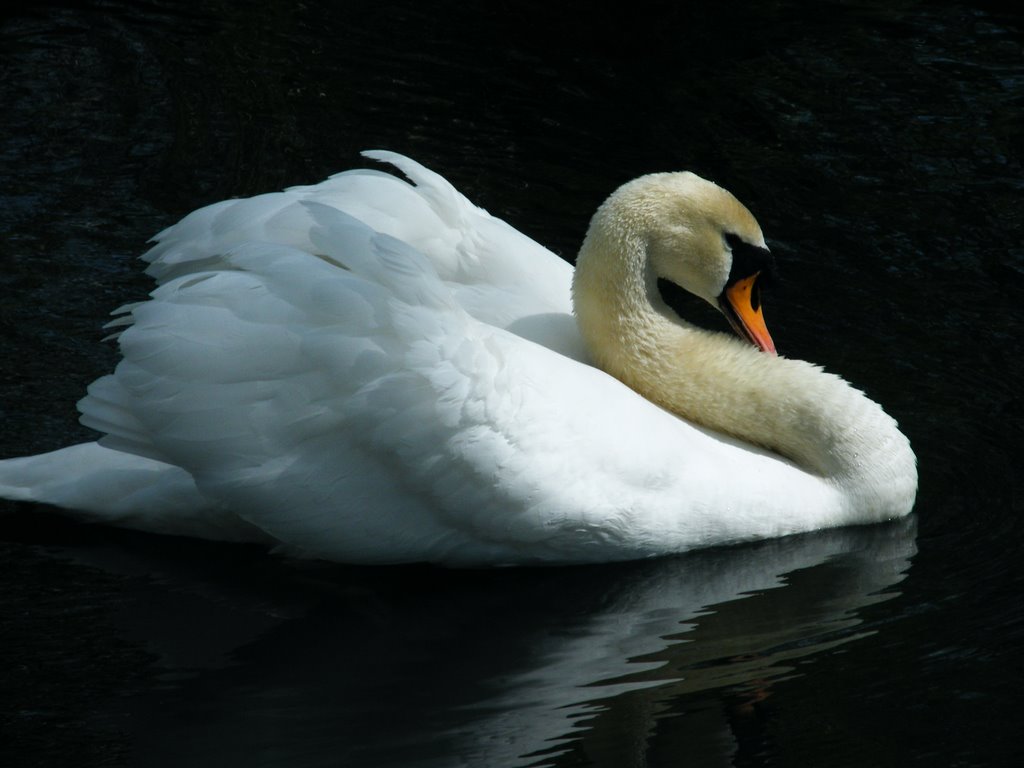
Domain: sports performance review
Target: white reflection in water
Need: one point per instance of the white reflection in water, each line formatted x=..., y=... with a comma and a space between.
x=305, y=666
x=720, y=619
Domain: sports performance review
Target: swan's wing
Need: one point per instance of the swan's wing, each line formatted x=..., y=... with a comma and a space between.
x=359, y=413
x=496, y=273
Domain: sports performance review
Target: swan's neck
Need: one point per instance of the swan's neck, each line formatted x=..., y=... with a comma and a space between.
x=788, y=406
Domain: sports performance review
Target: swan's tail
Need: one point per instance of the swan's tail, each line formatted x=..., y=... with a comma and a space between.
x=108, y=486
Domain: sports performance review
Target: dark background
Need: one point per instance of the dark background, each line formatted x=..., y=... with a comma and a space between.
x=879, y=145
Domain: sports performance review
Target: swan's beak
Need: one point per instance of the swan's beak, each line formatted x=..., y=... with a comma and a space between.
x=741, y=303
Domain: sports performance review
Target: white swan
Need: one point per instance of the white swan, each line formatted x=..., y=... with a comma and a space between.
x=368, y=370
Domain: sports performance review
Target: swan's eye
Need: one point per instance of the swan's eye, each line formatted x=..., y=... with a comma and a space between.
x=749, y=260
x=689, y=307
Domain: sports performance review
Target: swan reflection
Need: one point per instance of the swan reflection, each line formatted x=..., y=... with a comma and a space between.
x=322, y=665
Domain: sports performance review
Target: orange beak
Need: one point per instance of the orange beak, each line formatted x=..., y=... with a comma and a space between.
x=741, y=303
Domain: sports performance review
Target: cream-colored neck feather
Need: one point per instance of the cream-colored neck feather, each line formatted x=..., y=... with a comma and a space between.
x=672, y=226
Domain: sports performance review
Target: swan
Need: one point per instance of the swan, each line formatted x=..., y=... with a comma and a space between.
x=374, y=370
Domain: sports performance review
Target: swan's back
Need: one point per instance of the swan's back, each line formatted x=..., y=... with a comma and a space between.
x=496, y=273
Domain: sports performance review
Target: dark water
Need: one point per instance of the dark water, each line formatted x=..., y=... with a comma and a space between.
x=878, y=143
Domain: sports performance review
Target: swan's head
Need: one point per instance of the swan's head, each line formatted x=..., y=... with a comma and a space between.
x=686, y=230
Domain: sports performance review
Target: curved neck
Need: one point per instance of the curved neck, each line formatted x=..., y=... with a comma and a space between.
x=788, y=406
